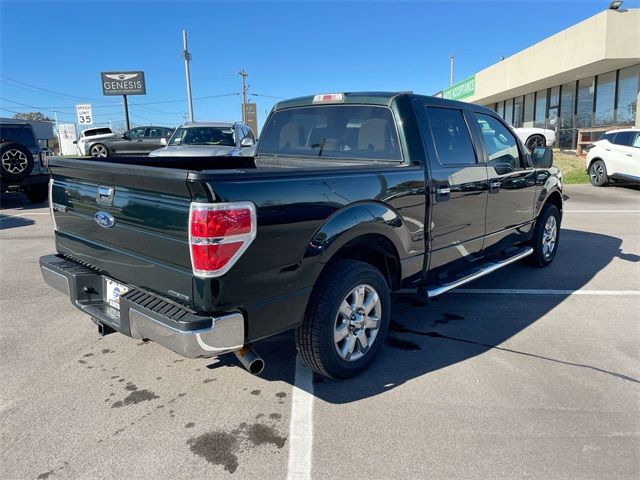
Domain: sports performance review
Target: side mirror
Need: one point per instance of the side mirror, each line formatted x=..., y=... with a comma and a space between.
x=247, y=142
x=542, y=157
x=163, y=141
x=125, y=136
x=75, y=142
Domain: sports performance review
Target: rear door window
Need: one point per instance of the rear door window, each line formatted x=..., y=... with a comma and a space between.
x=21, y=134
x=332, y=131
x=451, y=136
x=624, y=138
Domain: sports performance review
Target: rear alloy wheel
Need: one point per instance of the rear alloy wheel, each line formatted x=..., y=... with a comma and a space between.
x=535, y=141
x=346, y=321
x=598, y=174
x=99, y=151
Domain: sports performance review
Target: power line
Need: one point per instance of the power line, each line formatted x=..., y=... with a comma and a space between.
x=46, y=89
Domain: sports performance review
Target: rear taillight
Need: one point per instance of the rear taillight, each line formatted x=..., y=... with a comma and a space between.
x=219, y=233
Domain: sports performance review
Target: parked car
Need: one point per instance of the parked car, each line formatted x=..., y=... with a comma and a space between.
x=536, y=137
x=23, y=162
x=134, y=142
x=349, y=197
x=615, y=156
x=91, y=135
x=208, y=140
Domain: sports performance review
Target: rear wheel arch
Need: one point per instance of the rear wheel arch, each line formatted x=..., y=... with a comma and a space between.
x=376, y=250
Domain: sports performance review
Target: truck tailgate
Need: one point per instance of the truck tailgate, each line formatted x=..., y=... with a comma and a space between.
x=129, y=221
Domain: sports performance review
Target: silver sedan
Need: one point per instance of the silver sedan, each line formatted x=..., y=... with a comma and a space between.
x=208, y=140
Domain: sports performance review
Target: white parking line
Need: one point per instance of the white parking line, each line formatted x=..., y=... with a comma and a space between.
x=601, y=211
x=10, y=214
x=301, y=426
x=534, y=291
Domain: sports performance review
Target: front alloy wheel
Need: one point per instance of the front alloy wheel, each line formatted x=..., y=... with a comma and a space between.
x=549, y=237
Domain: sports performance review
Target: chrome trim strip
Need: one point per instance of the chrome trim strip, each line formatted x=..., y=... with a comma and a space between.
x=434, y=291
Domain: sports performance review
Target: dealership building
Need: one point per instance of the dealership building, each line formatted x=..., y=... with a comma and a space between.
x=579, y=82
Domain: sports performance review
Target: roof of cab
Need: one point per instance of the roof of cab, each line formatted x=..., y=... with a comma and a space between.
x=372, y=98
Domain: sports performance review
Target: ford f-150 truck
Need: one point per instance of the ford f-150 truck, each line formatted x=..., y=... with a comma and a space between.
x=349, y=197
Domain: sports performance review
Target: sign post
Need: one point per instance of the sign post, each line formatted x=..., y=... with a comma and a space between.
x=84, y=115
x=124, y=83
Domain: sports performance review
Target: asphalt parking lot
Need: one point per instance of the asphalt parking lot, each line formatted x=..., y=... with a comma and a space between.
x=524, y=374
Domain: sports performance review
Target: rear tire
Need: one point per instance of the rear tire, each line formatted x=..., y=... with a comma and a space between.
x=16, y=162
x=546, y=237
x=37, y=193
x=598, y=174
x=535, y=141
x=346, y=321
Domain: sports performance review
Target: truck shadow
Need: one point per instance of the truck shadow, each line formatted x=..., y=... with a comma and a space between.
x=427, y=337
x=8, y=221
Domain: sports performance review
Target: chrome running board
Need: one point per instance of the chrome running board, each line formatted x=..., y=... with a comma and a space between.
x=487, y=268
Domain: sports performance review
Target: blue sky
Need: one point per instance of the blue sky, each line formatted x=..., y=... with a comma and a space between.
x=288, y=48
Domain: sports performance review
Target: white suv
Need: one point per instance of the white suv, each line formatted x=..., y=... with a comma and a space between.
x=616, y=156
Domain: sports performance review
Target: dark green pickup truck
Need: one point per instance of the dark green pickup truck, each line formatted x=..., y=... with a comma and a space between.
x=349, y=197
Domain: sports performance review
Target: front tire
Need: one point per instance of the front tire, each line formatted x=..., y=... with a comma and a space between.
x=346, y=321
x=546, y=237
x=99, y=151
x=598, y=174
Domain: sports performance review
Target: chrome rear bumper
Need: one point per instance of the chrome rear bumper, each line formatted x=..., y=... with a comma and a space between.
x=145, y=315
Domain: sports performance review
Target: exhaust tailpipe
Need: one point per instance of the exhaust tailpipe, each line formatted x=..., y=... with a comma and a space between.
x=250, y=359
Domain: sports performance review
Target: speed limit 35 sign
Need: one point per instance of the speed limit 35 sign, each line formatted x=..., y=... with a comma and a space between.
x=84, y=114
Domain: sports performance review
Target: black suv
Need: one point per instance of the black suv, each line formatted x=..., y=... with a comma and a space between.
x=23, y=163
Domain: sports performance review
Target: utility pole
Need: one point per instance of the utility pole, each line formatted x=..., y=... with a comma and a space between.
x=451, y=61
x=244, y=76
x=186, y=54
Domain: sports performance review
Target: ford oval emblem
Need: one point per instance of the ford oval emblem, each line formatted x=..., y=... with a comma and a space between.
x=104, y=219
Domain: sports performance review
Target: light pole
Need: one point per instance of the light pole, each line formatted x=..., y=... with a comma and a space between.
x=244, y=76
x=186, y=54
x=451, y=62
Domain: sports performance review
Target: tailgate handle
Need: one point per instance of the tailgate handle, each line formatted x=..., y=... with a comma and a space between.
x=105, y=195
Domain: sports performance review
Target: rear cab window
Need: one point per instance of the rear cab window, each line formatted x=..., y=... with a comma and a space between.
x=332, y=131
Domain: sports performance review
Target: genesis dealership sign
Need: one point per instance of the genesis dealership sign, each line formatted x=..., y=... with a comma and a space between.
x=123, y=83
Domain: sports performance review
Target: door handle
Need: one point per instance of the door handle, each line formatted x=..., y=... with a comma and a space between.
x=442, y=193
x=629, y=155
x=139, y=139
x=494, y=186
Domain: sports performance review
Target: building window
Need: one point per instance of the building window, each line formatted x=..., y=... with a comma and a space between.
x=508, y=111
x=605, y=95
x=528, y=110
x=584, y=110
x=540, y=119
x=566, y=131
x=554, y=106
x=500, y=109
x=517, y=111
x=628, y=86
